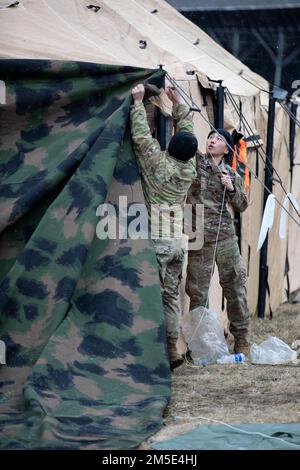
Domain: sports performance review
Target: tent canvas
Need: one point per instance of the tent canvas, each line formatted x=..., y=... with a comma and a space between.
x=121, y=32
x=81, y=317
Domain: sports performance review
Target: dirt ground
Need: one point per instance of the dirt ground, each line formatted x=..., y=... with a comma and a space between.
x=238, y=393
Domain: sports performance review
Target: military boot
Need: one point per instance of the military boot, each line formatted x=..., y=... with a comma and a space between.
x=175, y=359
x=241, y=345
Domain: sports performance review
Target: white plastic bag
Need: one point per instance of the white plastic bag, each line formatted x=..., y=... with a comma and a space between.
x=272, y=351
x=204, y=334
x=267, y=222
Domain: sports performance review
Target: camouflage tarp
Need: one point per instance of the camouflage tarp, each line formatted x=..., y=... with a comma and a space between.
x=82, y=318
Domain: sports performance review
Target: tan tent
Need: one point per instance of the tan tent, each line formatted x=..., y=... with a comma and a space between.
x=147, y=33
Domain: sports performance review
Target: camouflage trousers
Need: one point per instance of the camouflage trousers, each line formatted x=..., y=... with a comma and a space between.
x=232, y=279
x=170, y=258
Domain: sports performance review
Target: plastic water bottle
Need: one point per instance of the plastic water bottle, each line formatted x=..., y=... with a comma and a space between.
x=201, y=362
x=239, y=357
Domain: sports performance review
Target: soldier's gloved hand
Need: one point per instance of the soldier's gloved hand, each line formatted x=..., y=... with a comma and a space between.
x=138, y=93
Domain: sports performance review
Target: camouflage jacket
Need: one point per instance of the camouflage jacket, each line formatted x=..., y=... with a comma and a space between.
x=207, y=189
x=165, y=180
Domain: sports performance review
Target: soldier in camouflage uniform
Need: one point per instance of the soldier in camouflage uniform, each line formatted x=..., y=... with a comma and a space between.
x=213, y=177
x=166, y=177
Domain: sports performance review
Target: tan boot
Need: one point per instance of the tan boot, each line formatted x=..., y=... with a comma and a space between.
x=241, y=345
x=175, y=359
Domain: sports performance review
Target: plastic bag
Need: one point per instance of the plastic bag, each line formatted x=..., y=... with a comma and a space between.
x=204, y=334
x=268, y=219
x=272, y=351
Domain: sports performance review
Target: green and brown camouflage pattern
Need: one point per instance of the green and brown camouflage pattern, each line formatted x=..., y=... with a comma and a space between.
x=207, y=189
x=170, y=259
x=232, y=276
x=82, y=318
x=165, y=180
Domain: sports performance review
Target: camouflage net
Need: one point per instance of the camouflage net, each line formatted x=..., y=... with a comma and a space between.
x=82, y=318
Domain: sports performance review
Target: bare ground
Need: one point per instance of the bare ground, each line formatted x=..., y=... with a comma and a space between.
x=238, y=393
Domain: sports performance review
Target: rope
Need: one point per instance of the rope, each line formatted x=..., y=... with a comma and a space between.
x=292, y=116
x=196, y=107
x=215, y=249
x=256, y=86
x=249, y=130
x=256, y=433
x=211, y=275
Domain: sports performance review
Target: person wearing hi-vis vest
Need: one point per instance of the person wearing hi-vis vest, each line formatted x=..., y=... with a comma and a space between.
x=166, y=177
x=214, y=176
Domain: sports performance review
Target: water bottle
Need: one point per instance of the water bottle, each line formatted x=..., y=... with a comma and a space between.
x=201, y=362
x=239, y=357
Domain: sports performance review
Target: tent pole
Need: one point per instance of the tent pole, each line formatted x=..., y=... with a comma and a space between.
x=219, y=106
x=161, y=123
x=292, y=139
x=292, y=157
x=219, y=124
x=263, y=267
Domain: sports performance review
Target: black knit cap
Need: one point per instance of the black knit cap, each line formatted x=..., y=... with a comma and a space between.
x=228, y=137
x=183, y=146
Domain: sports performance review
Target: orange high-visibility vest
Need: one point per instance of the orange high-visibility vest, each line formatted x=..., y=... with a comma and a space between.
x=239, y=160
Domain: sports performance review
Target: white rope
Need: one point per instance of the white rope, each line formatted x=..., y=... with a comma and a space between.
x=211, y=275
x=289, y=112
x=238, y=429
x=216, y=244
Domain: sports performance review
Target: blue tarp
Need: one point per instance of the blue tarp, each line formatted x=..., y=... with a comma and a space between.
x=239, y=437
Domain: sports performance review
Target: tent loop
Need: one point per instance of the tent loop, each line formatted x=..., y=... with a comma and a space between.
x=215, y=81
x=142, y=44
x=95, y=8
